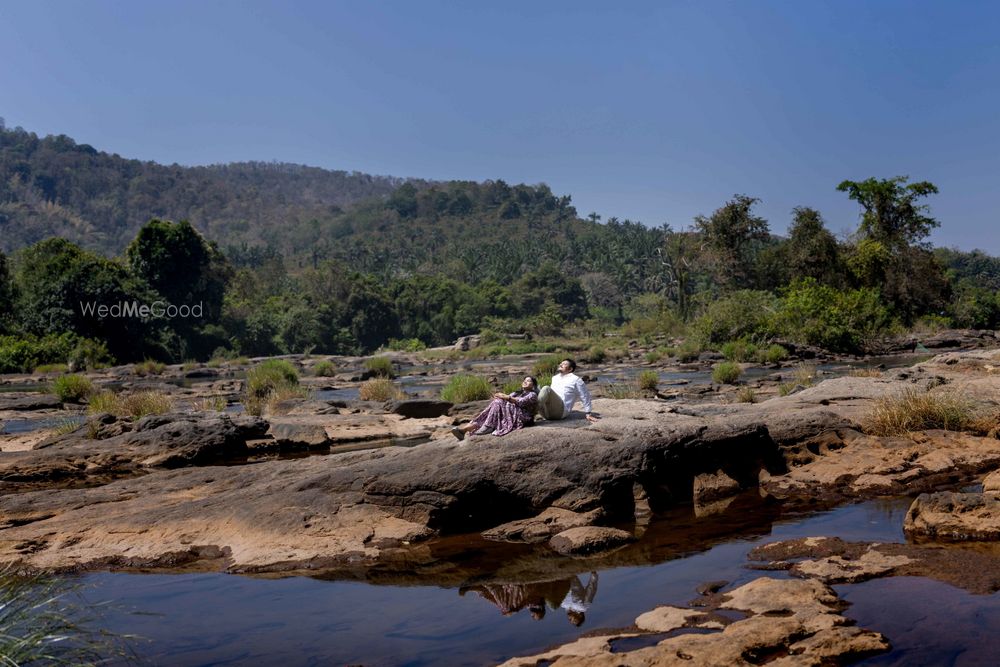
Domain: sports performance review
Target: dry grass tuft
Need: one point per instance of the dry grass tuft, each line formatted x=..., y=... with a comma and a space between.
x=915, y=410
x=380, y=389
x=865, y=373
x=135, y=405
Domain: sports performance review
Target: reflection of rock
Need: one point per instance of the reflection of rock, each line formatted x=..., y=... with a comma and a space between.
x=714, y=486
x=588, y=540
x=954, y=516
x=538, y=529
x=795, y=619
x=832, y=560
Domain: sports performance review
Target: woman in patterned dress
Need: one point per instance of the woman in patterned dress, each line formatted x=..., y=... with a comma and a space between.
x=505, y=413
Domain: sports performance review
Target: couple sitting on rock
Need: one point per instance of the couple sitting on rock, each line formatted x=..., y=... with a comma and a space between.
x=509, y=412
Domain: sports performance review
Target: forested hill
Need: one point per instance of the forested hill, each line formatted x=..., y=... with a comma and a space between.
x=256, y=212
x=53, y=186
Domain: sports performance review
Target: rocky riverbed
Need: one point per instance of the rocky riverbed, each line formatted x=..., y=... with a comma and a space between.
x=347, y=487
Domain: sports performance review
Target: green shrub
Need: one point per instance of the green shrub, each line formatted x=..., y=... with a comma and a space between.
x=688, y=351
x=739, y=350
x=785, y=388
x=727, y=372
x=596, y=355
x=746, y=395
x=90, y=354
x=266, y=381
x=746, y=314
x=653, y=356
x=149, y=367
x=465, y=388
x=325, y=369
x=21, y=354
x=648, y=380
x=72, y=388
x=772, y=355
x=406, y=345
x=380, y=366
x=839, y=320
x=380, y=389
x=546, y=367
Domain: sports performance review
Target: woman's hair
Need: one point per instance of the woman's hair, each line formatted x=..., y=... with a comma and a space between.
x=534, y=386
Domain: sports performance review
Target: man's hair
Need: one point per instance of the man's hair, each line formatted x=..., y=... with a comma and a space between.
x=572, y=364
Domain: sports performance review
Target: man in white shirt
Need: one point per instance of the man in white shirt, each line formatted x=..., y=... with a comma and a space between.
x=556, y=401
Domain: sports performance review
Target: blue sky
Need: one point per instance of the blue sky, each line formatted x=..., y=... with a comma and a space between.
x=651, y=111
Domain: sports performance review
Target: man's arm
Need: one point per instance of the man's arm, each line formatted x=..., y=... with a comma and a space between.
x=581, y=388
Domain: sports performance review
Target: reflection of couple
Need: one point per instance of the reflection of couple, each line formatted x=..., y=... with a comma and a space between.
x=568, y=594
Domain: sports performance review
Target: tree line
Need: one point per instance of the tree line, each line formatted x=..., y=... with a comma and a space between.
x=459, y=258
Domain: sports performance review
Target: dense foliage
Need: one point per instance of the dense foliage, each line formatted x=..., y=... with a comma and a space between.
x=283, y=259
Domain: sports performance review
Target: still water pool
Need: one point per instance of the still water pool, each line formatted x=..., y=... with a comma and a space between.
x=220, y=619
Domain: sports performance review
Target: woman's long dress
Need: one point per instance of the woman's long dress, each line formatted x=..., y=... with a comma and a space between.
x=502, y=417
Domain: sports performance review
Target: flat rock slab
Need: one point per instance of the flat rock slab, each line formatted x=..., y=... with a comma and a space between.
x=791, y=618
x=31, y=402
x=167, y=441
x=353, y=507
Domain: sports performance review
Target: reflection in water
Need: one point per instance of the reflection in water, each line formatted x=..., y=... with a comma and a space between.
x=568, y=594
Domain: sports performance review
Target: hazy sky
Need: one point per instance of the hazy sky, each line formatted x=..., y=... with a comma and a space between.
x=651, y=111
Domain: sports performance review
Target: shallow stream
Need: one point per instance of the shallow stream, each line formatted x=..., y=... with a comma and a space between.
x=200, y=619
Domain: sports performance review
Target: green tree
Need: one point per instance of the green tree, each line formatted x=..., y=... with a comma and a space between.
x=186, y=269
x=548, y=286
x=890, y=252
x=60, y=286
x=734, y=235
x=7, y=295
x=811, y=250
x=891, y=214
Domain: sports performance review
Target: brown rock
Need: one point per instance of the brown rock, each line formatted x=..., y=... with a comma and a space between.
x=954, y=516
x=589, y=539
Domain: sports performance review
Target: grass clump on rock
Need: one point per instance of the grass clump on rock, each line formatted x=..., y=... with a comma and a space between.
x=72, y=388
x=380, y=389
x=739, y=350
x=915, y=410
x=772, y=355
x=270, y=381
x=380, y=367
x=465, y=388
x=622, y=391
x=727, y=372
x=149, y=367
x=324, y=369
x=746, y=395
x=136, y=404
x=648, y=380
